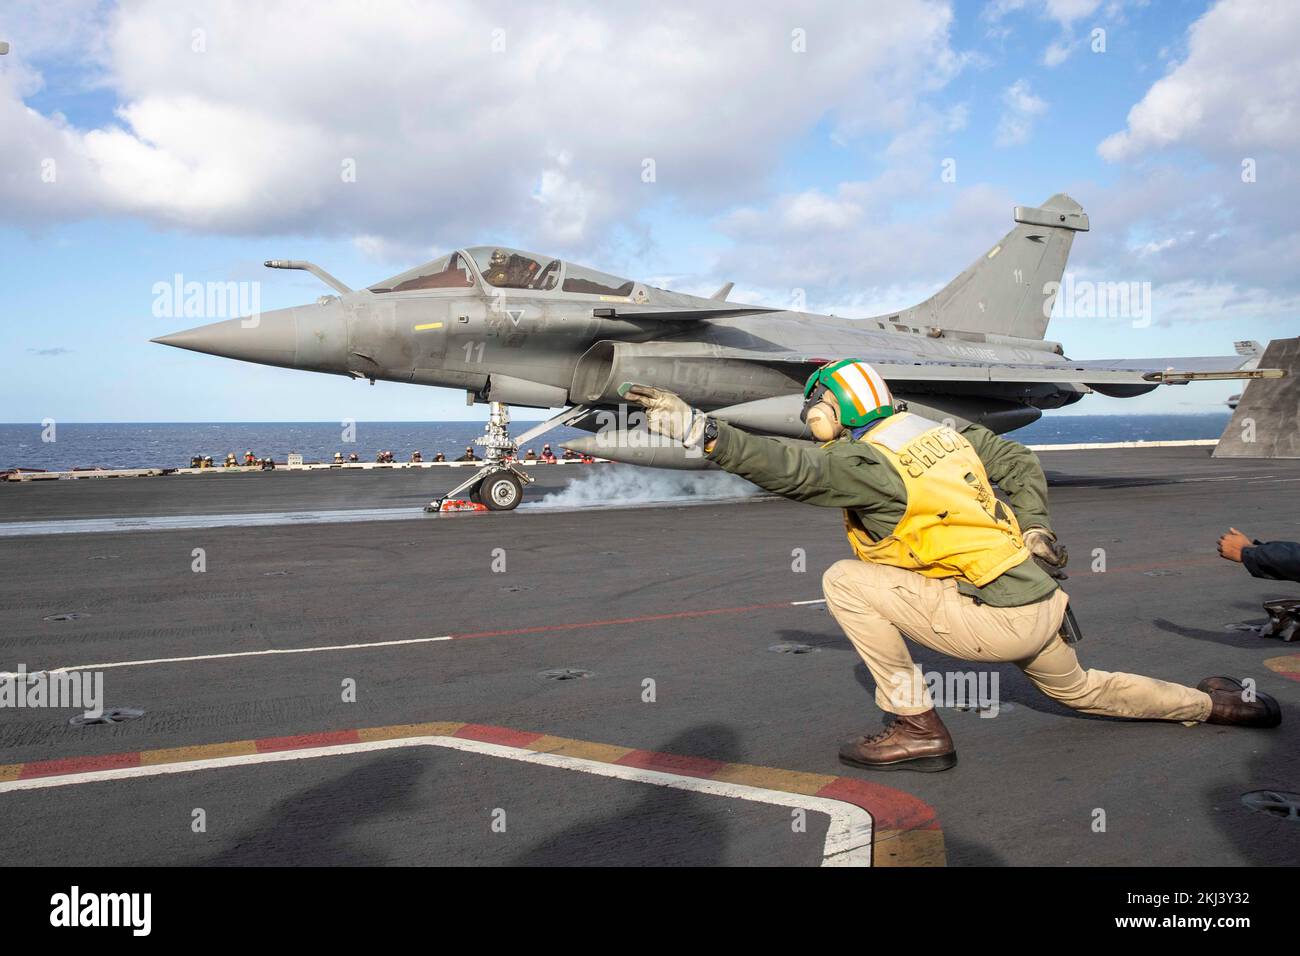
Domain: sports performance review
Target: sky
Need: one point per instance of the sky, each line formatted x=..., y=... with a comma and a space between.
x=862, y=153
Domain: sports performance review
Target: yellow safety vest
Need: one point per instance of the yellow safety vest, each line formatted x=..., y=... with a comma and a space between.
x=954, y=525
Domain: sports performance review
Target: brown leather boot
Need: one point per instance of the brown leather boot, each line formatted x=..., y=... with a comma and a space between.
x=1230, y=708
x=917, y=742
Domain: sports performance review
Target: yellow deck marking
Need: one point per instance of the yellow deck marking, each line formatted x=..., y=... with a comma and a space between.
x=1288, y=665
x=428, y=325
x=772, y=778
x=436, y=729
x=909, y=848
x=587, y=750
x=236, y=748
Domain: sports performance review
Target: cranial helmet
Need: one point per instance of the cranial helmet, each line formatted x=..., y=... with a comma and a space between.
x=862, y=394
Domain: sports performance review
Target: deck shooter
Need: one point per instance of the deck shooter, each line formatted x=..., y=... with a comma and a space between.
x=938, y=558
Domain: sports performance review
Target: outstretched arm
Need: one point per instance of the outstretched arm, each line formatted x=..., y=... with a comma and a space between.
x=844, y=478
x=834, y=476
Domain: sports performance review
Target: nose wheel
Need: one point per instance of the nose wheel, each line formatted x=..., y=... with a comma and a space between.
x=499, y=492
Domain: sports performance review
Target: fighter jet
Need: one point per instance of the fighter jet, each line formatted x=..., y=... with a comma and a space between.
x=516, y=328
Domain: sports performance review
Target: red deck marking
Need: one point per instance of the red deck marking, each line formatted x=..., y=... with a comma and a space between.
x=675, y=615
x=303, y=741
x=497, y=735
x=1203, y=562
x=671, y=763
x=55, y=768
x=892, y=809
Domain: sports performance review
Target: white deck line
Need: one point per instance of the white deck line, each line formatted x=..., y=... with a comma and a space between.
x=848, y=834
x=9, y=675
x=227, y=655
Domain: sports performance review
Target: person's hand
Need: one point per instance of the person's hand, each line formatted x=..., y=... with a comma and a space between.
x=1042, y=545
x=1231, y=543
x=666, y=413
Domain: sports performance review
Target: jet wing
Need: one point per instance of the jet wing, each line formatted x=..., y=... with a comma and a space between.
x=1123, y=377
x=1170, y=371
x=1149, y=371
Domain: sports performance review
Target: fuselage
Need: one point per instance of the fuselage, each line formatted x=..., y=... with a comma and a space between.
x=511, y=327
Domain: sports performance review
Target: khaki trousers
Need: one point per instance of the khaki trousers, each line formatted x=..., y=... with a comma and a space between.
x=873, y=603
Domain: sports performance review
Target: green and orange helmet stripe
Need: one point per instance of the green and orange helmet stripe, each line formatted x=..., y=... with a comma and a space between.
x=863, y=395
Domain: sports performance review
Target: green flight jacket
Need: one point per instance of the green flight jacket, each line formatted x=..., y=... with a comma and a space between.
x=848, y=473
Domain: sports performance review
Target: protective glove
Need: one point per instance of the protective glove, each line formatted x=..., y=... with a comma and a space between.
x=1042, y=545
x=666, y=413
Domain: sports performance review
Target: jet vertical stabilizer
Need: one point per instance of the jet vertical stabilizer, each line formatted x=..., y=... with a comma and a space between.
x=1010, y=289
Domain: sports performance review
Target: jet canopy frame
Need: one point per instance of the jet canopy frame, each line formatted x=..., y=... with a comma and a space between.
x=489, y=268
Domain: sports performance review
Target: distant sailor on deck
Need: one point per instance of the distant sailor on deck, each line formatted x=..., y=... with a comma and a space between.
x=1276, y=560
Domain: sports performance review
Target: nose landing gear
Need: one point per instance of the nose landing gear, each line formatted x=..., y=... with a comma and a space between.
x=499, y=483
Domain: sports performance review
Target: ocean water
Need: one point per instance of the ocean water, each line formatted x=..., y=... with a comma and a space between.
x=171, y=444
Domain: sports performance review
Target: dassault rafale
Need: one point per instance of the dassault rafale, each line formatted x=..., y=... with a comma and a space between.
x=515, y=328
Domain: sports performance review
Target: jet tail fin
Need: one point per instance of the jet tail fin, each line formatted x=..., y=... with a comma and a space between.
x=1011, y=288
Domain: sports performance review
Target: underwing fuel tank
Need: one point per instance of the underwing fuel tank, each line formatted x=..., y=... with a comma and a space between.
x=640, y=447
x=778, y=415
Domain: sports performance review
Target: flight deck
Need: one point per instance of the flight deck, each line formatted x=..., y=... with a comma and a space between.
x=617, y=681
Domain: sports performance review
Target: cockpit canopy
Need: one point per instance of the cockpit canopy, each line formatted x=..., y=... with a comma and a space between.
x=504, y=268
x=449, y=272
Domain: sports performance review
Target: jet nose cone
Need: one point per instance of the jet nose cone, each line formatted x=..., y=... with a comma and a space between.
x=269, y=338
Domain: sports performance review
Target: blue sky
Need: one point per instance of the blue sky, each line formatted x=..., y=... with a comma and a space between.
x=190, y=140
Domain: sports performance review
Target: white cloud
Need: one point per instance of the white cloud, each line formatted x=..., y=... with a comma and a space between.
x=47, y=28
x=1155, y=247
x=853, y=251
x=396, y=254
x=1058, y=52
x=1066, y=14
x=543, y=139
x=1200, y=225
x=1237, y=92
x=1069, y=12
x=1020, y=108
